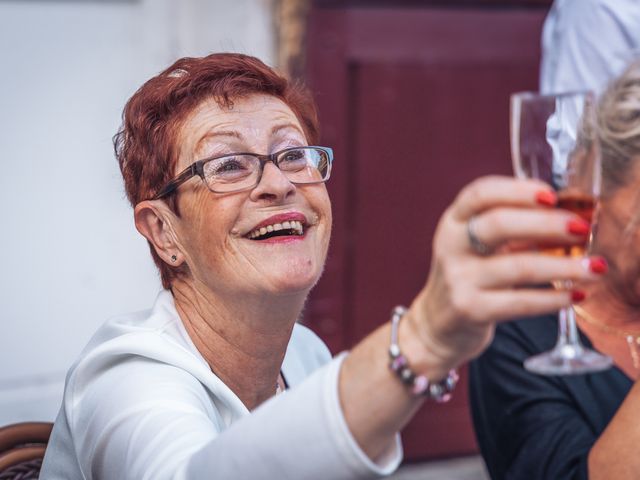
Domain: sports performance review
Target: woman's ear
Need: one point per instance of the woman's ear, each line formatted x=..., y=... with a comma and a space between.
x=152, y=219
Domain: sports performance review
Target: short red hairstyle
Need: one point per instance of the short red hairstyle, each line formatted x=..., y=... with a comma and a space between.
x=146, y=144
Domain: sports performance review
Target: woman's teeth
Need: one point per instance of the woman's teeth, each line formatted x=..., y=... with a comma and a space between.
x=293, y=227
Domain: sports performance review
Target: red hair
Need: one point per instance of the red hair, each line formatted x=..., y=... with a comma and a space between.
x=146, y=143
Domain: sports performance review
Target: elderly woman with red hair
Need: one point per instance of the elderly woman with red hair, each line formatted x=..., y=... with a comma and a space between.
x=217, y=379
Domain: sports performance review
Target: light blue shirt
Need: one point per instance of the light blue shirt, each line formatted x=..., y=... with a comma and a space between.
x=587, y=43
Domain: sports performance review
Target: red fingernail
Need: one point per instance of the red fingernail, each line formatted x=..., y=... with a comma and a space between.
x=578, y=227
x=577, y=296
x=598, y=265
x=547, y=198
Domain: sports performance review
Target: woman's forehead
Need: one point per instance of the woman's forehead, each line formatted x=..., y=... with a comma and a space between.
x=252, y=110
x=250, y=123
x=247, y=117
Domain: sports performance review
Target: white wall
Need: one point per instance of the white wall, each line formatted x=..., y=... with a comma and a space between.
x=69, y=253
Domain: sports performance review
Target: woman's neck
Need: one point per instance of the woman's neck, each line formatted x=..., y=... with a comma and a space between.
x=243, y=339
x=604, y=304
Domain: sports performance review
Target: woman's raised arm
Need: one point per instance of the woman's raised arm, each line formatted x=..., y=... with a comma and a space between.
x=469, y=289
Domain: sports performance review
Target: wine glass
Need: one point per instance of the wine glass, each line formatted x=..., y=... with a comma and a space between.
x=552, y=140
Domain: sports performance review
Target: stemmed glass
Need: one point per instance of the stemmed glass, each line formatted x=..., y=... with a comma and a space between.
x=552, y=140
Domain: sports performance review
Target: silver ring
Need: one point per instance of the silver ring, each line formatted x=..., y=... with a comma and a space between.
x=477, y=245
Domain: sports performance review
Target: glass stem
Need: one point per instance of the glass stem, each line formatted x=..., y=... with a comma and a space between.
x=572, y=329
x=568, y=340
x=567, y=330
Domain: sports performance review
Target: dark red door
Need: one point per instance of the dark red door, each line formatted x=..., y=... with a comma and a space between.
x=414, y=101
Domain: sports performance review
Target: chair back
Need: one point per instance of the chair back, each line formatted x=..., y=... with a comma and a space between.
x=22, y=447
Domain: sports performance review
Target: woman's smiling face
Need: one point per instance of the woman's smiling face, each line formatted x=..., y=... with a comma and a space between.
x=214, y=230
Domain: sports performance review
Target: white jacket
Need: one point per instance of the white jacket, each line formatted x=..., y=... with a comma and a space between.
x=142, y=403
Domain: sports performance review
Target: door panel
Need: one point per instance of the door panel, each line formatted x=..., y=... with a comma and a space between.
x=415, y=103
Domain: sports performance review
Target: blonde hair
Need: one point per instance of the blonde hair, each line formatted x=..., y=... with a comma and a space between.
x=618, y=127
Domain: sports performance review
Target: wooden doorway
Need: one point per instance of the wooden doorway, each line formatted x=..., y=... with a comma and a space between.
x=414, y=99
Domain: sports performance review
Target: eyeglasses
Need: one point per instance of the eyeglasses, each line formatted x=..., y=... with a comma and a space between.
x=242, y=171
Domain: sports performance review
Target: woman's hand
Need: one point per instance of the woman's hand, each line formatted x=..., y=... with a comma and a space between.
x=469, y=289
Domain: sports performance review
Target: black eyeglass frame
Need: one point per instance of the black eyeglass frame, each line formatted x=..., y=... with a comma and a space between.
x=197, y=168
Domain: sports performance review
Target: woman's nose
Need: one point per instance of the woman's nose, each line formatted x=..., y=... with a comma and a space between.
x=273, y=184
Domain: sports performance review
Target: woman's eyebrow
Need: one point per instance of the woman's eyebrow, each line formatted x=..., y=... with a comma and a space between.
x=285, y=126
x=221, y=133
x=237, y=135
x=213, y=134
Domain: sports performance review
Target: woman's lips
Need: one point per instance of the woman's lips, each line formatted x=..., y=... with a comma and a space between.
x=282, y=217
x=279, y=228
x=284, y=239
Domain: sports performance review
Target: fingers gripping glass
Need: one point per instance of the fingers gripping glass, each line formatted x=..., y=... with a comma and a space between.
x=552, y=139
x=242, y=171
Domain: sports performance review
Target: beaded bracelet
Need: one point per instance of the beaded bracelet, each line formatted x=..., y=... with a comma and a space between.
x=419, y=384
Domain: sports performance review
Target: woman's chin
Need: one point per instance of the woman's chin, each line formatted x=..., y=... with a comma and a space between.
x=293, y=280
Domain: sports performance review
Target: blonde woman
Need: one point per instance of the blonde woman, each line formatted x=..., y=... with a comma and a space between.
x=534, y=427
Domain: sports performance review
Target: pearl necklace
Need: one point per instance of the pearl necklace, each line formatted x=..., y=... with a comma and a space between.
x=632, y=338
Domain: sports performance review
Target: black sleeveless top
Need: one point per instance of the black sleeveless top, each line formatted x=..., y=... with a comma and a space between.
x=536, y=427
